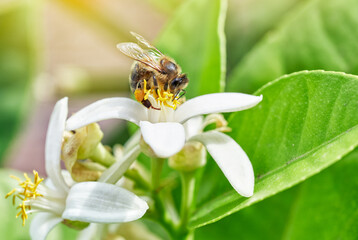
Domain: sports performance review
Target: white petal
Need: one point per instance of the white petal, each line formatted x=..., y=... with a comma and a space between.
x=215, y=103
x=165, y=138
x=102, y=203
x=108, y=108
x=42, y=224
x=193, y=126
x=116, y=171
x=67, y=177
x=231, y=159
x=55, y=131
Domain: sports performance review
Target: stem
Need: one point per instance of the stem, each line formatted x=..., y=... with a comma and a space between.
x=102, y=156
x=157, y=166
x=140, y=182
x=188, y=187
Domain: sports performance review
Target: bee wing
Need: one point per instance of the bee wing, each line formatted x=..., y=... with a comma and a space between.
x=143, y=41
x=135, y=52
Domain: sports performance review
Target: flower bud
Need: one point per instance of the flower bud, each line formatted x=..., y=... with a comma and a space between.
x=75, y=224
x=85, y=143
x=190, y=158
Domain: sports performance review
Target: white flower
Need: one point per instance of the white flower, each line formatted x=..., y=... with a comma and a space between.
x=62, y=199
x=164, y=132
x=229, y=156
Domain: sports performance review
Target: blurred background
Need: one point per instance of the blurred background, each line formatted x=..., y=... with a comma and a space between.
x=62, y=48
x=52, y=49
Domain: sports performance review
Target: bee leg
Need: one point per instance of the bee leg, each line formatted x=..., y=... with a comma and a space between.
x=181, y=91
x=140, y=84
x=155, y=82
x=166, y=85
x=155, y=108
x=147, y=104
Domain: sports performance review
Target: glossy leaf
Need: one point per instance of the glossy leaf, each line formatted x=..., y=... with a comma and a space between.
x=317, y=35
x=269, y=216
x=195, y=38
x=248, y=21
x=17, y=67
x=322, y=207
x=306, y=122
x=326, y=205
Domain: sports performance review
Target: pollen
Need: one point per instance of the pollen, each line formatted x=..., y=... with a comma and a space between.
x=167, y=99
x=163, y=98
x=27, y=191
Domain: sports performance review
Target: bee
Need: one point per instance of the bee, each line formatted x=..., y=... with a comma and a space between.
x=153, y=70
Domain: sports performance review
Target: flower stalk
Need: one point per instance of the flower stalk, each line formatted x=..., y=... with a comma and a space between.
x=187, y=201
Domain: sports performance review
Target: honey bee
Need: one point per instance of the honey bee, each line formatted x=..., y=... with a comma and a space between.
x=153, y=70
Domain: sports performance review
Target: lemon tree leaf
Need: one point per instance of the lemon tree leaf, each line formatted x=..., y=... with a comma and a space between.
x=306, y=122
x=322, y=207
x=316, y=35
x=198, y=46
x=248, y=22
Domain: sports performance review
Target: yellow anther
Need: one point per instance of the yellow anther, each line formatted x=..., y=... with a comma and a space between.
x=145, y=85
x=170, y=95
x=10, y=193
x=16, y=178
x=29, y=188
x=147, y=95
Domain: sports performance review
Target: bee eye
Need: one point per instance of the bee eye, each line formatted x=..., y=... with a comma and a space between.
x=175, y=83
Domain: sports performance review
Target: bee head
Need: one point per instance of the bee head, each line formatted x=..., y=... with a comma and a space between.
x=178, y=83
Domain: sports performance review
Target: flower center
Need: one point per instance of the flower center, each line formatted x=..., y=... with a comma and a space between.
x=27, y=191
x=159, y=98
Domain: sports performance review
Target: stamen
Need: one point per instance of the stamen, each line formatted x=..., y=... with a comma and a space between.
x=30, y=191
x=147, y=95
x=161, y=97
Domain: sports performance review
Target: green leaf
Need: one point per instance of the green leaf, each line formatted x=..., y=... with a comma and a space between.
x=195, y=39
x=248, y=21
x=306, y=122
x=329, y=201
x=269, y=216
x=17, y=66
x=322, y=207
x=317, y=35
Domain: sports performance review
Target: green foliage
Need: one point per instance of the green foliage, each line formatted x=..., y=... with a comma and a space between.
x=248, y=21
x=17, y=67
x=306, y=122
x=316, y=35
x=322, y=207
x=198, y=46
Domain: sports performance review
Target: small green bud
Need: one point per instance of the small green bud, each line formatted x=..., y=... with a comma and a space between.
x=93, y=136
x=75, y=224
x=190, y=158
